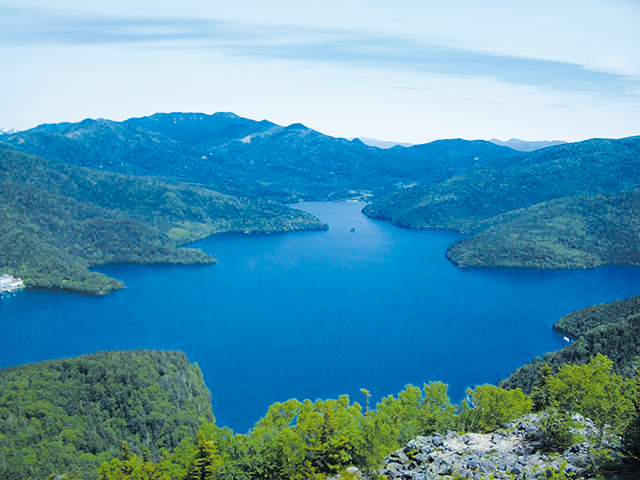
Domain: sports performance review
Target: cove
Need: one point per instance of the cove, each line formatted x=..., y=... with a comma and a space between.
x=317, y=314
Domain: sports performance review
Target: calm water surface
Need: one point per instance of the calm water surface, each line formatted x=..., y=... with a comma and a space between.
x=317, y=314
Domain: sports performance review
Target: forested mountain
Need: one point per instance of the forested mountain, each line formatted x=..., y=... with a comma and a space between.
x=68, y=416
x=462, y=203
x=110, y=146
x=560, y=207
x=574, y=232
x=201, y=130
x=248, y=158
x=59, y=219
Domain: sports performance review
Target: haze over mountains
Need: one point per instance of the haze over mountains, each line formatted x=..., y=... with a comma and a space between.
x=524, y=146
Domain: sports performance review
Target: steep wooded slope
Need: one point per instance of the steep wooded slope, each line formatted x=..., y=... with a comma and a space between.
x=575, y=232
x=68, y=416
x=611, y=329
x=59, y=219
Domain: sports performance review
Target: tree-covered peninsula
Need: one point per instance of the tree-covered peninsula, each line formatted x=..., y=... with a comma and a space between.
x=60, y=219
x=567, y=206
x=575, y=232
x=68, y=416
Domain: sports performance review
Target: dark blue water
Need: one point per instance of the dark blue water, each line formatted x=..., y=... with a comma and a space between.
x=317, y=314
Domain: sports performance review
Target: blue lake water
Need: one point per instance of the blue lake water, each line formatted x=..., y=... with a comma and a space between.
x=317, y=314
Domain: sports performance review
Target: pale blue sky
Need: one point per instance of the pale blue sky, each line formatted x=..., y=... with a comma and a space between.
x=411, y=71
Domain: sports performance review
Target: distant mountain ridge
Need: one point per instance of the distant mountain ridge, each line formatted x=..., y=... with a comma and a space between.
x=198, y=129
x=372, y=142
x=244, y=157
x=524, y=146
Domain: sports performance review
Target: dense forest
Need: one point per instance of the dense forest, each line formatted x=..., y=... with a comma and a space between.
x=146, y=415
x=59, y=219
x=464, y=202
x=70, y=415
x=246, y=158
x=559, y=207
x=575, y=232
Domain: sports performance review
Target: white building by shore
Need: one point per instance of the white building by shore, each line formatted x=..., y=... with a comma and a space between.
x=7, y=282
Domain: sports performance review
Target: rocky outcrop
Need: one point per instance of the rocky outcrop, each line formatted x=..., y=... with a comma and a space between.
x=513, y=452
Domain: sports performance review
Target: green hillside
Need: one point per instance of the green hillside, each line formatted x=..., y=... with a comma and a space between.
x=575, y=232
x=596, y=166
x=111, y=146
x=581, y=321
x=68, y=416
x=59, y=219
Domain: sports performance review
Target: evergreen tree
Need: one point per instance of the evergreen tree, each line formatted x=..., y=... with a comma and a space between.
x=206, y=459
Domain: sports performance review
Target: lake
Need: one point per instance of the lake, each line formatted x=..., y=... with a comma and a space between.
x=317, y=314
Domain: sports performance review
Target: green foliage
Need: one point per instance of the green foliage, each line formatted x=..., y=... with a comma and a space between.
x=206, y=459
x=492, y=408
x=631, y=437
x=69, y=416
x=307, y=440
x=594, y=392
x=562, y=474
x=396, y=420
x=555, y=431
x=575, y=232
x=58, y=220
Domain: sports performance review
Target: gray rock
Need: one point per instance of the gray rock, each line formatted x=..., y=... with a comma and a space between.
x=504, y=454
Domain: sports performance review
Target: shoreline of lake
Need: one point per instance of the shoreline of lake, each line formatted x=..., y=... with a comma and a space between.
x=325, y=312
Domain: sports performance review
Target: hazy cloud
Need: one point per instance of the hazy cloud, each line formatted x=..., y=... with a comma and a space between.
x=353, y=48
